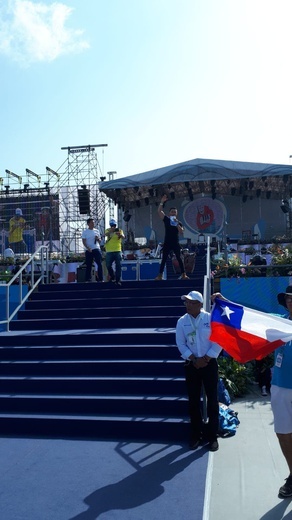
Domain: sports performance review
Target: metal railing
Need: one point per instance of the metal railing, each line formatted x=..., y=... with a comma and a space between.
x=39, y=273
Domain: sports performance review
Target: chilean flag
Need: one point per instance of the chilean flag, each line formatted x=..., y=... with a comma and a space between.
x=247, y=334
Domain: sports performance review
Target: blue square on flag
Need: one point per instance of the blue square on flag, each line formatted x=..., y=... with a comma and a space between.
x=228, y=313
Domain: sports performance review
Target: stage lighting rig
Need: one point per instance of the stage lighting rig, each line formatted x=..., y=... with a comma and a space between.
x=52, y=172
x=127, y=216
x=82, y=148
x=190, y=194
x=29, y=172
x=11, y=174
x=285, y=207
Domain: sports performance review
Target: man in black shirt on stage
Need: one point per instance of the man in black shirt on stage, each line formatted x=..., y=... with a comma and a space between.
x=173, y=228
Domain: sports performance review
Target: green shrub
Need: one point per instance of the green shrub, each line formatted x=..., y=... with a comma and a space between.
x=237, y=377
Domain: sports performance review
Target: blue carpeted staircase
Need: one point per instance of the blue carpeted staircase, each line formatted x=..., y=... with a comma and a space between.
x=96, y=361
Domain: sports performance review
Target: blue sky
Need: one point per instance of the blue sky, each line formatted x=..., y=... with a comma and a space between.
x=159, y=81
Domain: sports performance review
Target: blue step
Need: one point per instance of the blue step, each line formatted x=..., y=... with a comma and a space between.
x=102, y=312
x=115, y=428
x=107, y=405
x=131, y=322
x=92, y=368
x=96, y=361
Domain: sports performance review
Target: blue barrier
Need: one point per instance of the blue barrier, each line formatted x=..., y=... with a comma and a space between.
x=256, y=293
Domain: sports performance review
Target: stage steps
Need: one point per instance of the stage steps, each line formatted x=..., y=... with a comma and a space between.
x=106, y=381
x=148, y=304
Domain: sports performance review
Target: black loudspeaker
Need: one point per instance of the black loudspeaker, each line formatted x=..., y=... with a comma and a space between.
x=84, y=202
x=81, y=273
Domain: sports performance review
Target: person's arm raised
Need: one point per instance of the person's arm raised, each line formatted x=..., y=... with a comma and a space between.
x=160, y=207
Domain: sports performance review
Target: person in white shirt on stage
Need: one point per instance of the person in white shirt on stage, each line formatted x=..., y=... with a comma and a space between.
x=91, y=240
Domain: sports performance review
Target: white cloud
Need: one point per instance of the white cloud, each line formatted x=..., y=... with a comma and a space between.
x=34, y=32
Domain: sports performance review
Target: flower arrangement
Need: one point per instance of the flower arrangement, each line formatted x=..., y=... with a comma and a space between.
x=282, y=260
x=75, y=257
x=232, y=268
x=281, y=264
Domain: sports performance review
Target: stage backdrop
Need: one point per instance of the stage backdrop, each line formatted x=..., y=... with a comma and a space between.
x=219, y=218
x=41, y=214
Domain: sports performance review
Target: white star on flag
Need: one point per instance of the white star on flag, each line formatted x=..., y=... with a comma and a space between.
x=226, y=312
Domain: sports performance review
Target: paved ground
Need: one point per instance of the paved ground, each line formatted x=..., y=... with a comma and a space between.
x=246, y=473
x=43, y=479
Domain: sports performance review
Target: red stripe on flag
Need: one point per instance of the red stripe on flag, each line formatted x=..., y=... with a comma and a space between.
x=241, y=345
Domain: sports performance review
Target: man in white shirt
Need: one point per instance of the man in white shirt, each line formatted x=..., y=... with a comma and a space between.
x=201, y=368
x=91, y=240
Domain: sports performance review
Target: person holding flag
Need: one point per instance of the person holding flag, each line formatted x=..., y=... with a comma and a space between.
x=201, y=368
x=247, y=334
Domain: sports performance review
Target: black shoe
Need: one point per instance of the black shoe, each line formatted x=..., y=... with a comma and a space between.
x=285, y=491
x=194, y=444
x=118, y=283
x=213, y=446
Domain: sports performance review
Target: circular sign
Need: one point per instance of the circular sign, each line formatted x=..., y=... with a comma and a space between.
x=205, y=215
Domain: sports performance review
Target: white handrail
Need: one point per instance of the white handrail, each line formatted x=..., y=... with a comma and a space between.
x=42, y=251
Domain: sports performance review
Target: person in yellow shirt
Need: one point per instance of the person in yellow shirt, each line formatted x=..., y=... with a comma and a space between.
x=16, y=226
x=113, y=249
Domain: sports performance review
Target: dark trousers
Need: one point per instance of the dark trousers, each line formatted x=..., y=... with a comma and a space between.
x=95, y=255
x=264, y=374
x=195, y=378
x=165, y=252
x=18, y=247
x=110, y=258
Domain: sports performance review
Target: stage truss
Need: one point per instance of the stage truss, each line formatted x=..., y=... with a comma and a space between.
x=81, y=170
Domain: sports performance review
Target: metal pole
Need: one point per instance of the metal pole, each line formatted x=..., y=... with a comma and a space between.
x=207, y=307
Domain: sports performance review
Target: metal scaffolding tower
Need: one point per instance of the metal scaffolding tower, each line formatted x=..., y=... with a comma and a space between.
x=78, y=188
x=70, y=195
